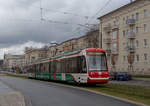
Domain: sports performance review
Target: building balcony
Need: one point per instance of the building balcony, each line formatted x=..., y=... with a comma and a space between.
x=130, y=49
x=107, y=29
x=115, y=27
x=108, y=51
x=107, y=40
x=114, y=52
x=131, y=35
x=130, y=21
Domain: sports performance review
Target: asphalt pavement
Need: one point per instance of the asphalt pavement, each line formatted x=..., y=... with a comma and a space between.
x=42, y=93
x=10, y=97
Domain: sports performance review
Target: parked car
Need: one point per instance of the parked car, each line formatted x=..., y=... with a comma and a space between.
x=112, y=75
x=123, y=76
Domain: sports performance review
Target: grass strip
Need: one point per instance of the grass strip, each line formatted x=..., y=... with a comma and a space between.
x=15, y=75
x=135, y=93
x=141, y=76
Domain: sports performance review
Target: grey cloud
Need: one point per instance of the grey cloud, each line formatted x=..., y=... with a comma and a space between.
x=21, y=19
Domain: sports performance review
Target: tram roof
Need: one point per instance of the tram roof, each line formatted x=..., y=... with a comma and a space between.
x=58, y=56
x=68, y=54
x=95, y=49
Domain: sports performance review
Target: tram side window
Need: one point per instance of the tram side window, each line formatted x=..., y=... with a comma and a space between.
x=81, y=64
x=70, y=70
x=58, y=67
x=49, y=67
x=38, y=68
x=74, y=65
x=41, y=66
x=53, y=66
x=31, y=70
x=63, y=66
x=46, y=67
x=34, y=68
x=43, y=69
x=66, y=65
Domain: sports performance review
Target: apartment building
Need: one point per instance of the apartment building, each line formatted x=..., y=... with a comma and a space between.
x=52, y=50
x=92, y=39
x=126, y=37
x=12, y=61
x=69, y=45
x=89, y=40
x=32, y=54
x=1, y=65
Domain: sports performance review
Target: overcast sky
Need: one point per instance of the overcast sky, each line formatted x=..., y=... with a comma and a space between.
x=20, y=23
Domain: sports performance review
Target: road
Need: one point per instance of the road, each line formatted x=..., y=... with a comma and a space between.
x=47, y=94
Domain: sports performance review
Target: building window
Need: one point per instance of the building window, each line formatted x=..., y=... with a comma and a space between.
x=127, y=19
x=114, y=47
x=137, y=16
x=137, y=43
x=145, y=27
x=124, y=20
x=127, y=31
x=114, y=35
x=137, y=29
x=132, y=16
x=145, y=56
x=124, y=45
x=145, y=42
x=109, y=59
x=145, y=13
x=115, y=22
x=132, y=29
x=124, y=33
x=137, y=58
x=124, y=58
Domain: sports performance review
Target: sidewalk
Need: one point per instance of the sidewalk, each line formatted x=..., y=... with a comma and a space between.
x=9, y=97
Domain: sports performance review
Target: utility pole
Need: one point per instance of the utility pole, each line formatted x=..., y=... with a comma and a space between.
x=41, y=9
x=101, y=37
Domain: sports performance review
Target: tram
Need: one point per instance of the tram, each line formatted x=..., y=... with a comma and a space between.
x=82, y=66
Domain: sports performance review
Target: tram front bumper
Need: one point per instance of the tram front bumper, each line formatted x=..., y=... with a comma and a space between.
x=98, y=80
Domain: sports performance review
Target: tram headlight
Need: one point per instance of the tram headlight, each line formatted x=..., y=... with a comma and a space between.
x=99, y=73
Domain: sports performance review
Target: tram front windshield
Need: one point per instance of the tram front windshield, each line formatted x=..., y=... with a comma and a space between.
x=96, y=61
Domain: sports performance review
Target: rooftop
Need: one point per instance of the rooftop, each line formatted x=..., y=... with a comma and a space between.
x=125, y=6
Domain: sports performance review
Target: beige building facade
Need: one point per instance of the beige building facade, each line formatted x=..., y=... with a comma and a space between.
x=32, y=54
x=126, y=37
x=89, y=40
x=52, y=50
x=12, y=61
